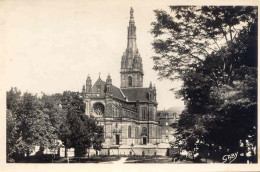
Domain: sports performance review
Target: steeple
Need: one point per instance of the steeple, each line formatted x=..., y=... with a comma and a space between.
x=131, y=63
x=131, y=37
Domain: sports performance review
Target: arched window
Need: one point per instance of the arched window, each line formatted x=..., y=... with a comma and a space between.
x=99, y=89
x=144, y=113
x=129, y=131
x=144, y=131
x=136, y=132
x=130, y=81
x=116, y=113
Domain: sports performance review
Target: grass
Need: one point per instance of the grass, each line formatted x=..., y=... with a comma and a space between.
x=92, y=159
x=48, y=159
x=148, y=159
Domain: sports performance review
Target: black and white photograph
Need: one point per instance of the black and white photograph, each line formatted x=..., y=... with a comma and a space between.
x=111, y=82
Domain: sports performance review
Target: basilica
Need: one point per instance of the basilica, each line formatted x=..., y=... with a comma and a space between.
x=128, y=114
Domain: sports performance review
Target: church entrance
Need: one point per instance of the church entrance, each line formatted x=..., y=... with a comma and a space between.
x=117, y=139
x=144, y=140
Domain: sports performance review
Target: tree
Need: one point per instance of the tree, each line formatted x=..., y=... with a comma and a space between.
x=34, y=121
x=219, y=80
x=51, y=106
x=188, y=34
x=98, y=137
x=79, y=131
x=12, y=136
x=30, y=122
x=36, y=128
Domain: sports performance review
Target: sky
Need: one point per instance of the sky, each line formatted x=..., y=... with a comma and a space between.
x=51, y=46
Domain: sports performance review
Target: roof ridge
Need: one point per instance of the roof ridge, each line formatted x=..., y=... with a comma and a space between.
x=122, y=93
x=134, y=87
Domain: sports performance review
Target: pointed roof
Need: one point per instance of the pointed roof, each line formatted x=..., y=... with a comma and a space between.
x=115, y=91
x=125, y=94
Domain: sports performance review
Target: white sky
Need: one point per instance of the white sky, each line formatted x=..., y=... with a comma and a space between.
x=51, y=46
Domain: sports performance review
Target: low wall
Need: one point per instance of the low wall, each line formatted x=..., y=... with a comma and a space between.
x=132, y=151
x=123, y=150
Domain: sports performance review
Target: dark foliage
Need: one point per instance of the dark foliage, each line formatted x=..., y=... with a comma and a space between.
x=213, y=50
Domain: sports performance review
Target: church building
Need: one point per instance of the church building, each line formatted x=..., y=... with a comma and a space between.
x=128, y=114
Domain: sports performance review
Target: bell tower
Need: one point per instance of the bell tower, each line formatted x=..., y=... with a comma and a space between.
x=131, y=62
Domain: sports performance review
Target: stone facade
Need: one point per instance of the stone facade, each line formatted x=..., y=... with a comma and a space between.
x=127, y=114
x=167, y=121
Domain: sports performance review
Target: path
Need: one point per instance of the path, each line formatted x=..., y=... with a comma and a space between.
x=121, y=161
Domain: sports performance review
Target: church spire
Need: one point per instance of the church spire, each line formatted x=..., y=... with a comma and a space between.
x=131, y=63
x=131, y=38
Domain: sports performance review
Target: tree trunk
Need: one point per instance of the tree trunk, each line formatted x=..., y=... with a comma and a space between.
x=66, y=152
x=245, y=151
x=206, y=155
x=27, y=153
x=59, y=152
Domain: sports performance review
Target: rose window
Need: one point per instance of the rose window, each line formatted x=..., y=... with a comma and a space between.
x=99, y=108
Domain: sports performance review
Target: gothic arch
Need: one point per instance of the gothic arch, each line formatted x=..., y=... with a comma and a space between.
x=129, y=131
x=130, y=81
x=144, y=131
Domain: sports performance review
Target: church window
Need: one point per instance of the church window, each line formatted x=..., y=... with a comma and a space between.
x=99, y=89
x=129, y=132
x=116, y=115
x=136, y=132
x=144, y=113
x=166, y=123
x=99, y=108
x=130, y=81
x=144, y=131
x=120, y=113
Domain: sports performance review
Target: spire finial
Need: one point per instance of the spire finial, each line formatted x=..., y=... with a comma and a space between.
x=131, y=13
x=99, y=74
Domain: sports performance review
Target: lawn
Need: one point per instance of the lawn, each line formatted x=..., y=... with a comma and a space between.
x=48, y=159
x=148, y=159
x=93, y=159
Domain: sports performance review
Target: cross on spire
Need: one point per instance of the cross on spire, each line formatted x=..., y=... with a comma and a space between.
x=99, y=74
